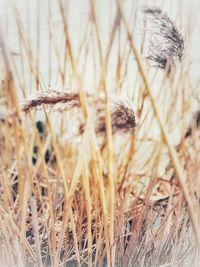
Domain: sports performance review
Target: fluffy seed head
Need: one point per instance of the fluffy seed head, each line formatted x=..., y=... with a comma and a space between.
x=166, y=42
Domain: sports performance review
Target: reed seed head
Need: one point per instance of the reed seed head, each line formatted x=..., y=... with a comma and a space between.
x=121, y=110
x=166, y=42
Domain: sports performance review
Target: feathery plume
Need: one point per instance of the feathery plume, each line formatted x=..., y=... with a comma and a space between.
x=52, y=98
x=166, y=42
x=121, y=110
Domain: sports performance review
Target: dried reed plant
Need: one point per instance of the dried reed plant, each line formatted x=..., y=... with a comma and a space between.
x=166, y=42
x=122, y=114
x=133, y=203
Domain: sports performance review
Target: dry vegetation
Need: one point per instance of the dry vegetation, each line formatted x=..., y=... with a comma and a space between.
x=121, y=198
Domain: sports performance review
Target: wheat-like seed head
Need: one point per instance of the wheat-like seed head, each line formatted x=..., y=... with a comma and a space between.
x=121, y=110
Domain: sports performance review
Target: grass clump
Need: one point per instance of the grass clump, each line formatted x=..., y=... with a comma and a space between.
x=117, y=191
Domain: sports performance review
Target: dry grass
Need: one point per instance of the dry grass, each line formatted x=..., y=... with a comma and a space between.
x=117, y=193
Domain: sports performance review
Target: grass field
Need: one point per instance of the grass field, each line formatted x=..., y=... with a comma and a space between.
x=91, y=195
